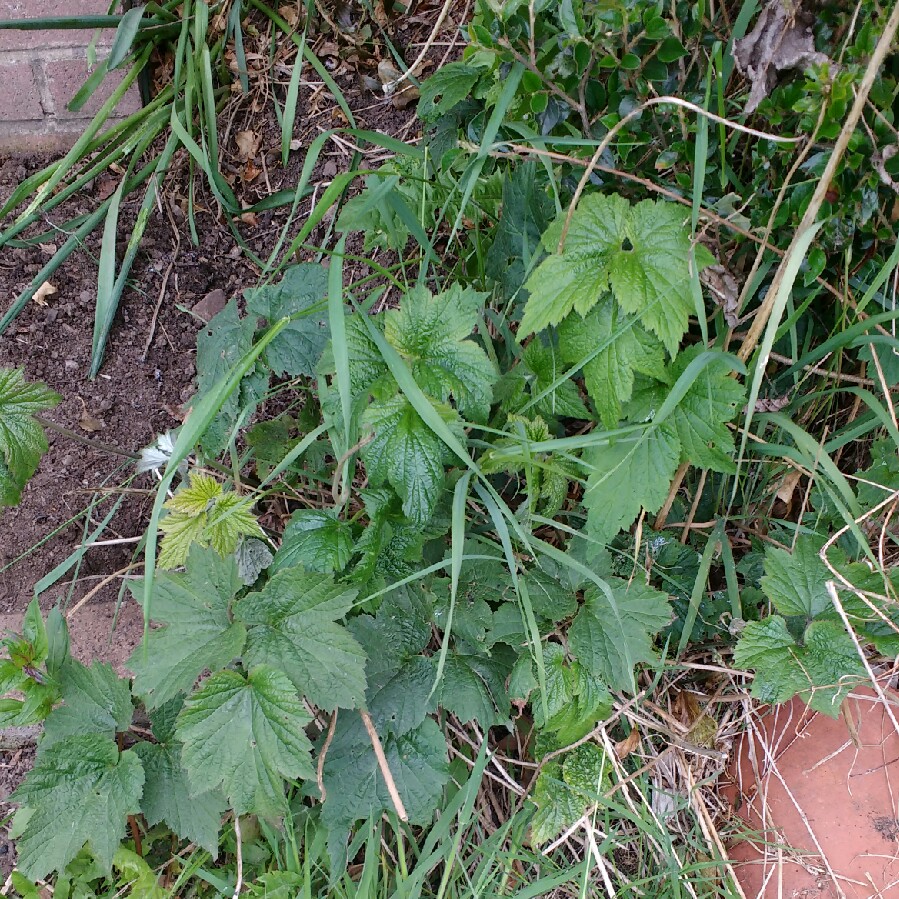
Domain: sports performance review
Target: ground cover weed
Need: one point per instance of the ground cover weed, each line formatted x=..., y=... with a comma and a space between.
x=536, y=489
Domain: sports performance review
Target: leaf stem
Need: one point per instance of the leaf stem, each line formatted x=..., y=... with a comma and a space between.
x=93, y=444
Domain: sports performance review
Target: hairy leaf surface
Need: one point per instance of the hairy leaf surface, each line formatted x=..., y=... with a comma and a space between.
x=628, y=476
x=198, y=632
x=22, y=440
x=432, y=334
x=407, y=454
x=623, y=348
x=317, y=539
x=292, y=625
x=297, y=349
x=823, y=669
x=167, y=797
x=244, y=736
x=95, y=701
x=81, y=790
x=614, y=633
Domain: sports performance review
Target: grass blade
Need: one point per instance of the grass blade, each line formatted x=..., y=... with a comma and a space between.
x=124, y=37
x=106, y=302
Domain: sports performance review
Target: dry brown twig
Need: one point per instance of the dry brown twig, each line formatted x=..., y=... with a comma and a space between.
x=385, y=768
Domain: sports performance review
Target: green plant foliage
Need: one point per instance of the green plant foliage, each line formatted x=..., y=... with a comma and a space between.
x=804, y=649
x=526, y=214
x=22, y=440
x=614, y=630
x=565, y=790
x=167, y=797
x=291, y=625
x=538, y=381
x=407, y=454
x=316, y=538
x=297, y=349
x=198, y=632
x=243, y=735
x=432, y=334
x=641, y=253
x=80, y=791
x=94, y=701
x=610, y=347
x=203, y=513
x=575, y=700
x=220, y=345
x=445, y=88
x=36, y=646
x=627, y=476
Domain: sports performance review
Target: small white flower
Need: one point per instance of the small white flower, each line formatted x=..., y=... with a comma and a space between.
x=157, y=454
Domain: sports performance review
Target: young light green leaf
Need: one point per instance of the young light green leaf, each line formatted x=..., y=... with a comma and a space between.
x=317, y=539
x=22, y=440
x=579, y=277
x=627, y=476
x=34, y=632
x=431, y=334
x=198, y=632
x=614, y=632
x=297, y=349
x=823, y=669
x=623, y=347
x=203, y=513
x=407, y=454
x=292, y=625
x=244, y=736
x=95, y=701
x=166, y=797
x=81, y=790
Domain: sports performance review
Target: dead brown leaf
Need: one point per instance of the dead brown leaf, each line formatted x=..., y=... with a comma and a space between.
x=290, y=13
x=724, y=288
x=623, y=748
x=788, y=487
x=45, y=290
x=106, y=186
x=89, y=423
x=247, y=144
x=782, y=39
x=250, y=172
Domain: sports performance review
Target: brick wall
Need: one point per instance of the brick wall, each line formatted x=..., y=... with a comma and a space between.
x=40, y=71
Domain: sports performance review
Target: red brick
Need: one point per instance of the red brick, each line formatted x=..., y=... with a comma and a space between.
x=47, y=39
x=21, y=98
x=64, y=79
